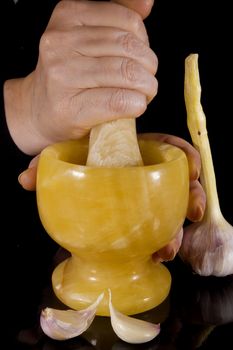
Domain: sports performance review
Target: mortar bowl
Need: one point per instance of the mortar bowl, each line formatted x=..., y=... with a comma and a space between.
x=112, y=220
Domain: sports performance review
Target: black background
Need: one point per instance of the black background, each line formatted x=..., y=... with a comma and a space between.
x=176, y=29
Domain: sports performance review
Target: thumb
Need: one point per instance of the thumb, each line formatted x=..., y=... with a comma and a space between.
x=143, y=7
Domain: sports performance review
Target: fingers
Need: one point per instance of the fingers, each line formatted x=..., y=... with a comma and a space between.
x=88, y=41
x=170, y=250
x=34, y=162
x=197, y=202
x=97, y=106
x=98, y=57
x=192, y=155
x=27, y=178
x=143, y=7
x=91, y=13
x=112, y=72
x=197, y=197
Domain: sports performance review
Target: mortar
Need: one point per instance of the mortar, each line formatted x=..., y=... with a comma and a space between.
x=112, y=220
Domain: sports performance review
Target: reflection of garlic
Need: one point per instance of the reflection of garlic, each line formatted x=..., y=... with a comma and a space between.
x=66, y=324
x=208, y=245
x=130, y=329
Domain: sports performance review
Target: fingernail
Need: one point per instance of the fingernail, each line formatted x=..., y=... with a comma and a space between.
x=170, y=254
x=21, y=176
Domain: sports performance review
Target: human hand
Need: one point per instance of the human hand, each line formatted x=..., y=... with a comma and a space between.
x=94, y=65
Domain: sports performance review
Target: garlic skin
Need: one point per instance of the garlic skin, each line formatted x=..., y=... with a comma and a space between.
x=132, y=330
x=67, y=324
x=208, y=247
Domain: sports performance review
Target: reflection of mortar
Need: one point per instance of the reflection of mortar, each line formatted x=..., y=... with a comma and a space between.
x=112, y=220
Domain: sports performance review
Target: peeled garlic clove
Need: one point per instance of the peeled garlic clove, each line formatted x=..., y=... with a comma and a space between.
x=66, y=324
x=132, y=330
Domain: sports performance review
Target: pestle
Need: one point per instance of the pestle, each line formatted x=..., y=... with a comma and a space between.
x=114, y=144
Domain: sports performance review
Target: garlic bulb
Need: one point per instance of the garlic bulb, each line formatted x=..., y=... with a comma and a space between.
x=207, y=245
x=66, y=324
x=131, y=330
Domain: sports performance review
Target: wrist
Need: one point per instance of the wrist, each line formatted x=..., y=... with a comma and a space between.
x=18, y=111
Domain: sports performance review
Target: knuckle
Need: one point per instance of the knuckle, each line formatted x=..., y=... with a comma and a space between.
x=59, y=12
x=62, y=7
x=47, y=44
x=118, y=101
x=130, y=43
x=134, y=19
x=69, y=9
x=136, y=24
x=134, y=47
x=129, y=70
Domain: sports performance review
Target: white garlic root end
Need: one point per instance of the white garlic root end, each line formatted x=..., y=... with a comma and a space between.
x=67, y=324
x=131, y=330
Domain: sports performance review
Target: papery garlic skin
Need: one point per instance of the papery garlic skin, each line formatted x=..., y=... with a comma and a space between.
x=208, y=247
x=67, y=324
x=132, y=330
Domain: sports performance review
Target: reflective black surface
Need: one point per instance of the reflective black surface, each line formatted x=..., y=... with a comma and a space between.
x=198, y=314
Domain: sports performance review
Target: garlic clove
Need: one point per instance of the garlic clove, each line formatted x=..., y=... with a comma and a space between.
x=66, y=324
x=131, y=330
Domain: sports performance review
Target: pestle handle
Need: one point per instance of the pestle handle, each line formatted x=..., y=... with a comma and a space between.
x=114, y=144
